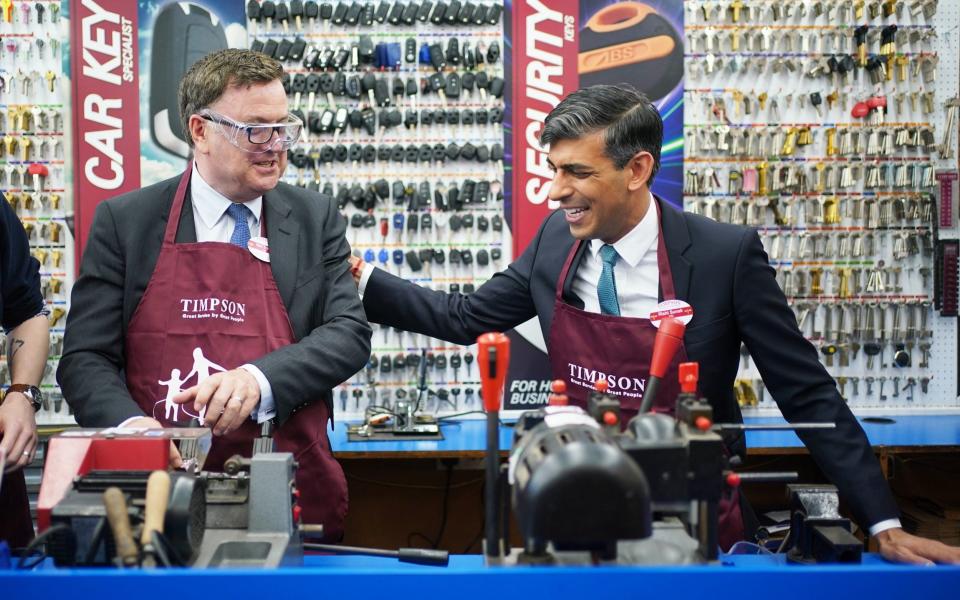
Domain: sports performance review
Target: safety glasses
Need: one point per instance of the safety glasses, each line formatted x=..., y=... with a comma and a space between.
x=256, y=138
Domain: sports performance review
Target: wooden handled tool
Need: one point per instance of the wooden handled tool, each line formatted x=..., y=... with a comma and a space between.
x=116, y=505
x=158, y=493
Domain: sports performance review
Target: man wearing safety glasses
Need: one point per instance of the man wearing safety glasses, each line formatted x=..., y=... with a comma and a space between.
x=223, y=294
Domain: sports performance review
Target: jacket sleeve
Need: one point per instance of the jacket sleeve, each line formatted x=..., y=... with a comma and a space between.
x=501, y=303
x=19, y=272
x=91, y=367
x=803, y=389
x=337, y=347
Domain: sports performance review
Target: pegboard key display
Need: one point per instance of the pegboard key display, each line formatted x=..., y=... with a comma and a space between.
x=822, y=124
x=34, y=169
x=403, y=109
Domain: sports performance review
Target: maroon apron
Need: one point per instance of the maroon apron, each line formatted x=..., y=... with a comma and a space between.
x=16, y=524
x=586, y=346
x=212, y=307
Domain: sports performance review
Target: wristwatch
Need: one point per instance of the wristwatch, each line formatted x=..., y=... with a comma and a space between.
x=32, y=393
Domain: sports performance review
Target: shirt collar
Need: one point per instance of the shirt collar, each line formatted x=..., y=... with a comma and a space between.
x=211, y=205
x=638, y=241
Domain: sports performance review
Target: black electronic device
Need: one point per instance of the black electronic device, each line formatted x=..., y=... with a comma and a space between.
x=585, y=492
x=183, y=32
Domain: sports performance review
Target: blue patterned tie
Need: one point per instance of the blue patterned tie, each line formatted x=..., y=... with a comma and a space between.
x=607, y=286
x=241, y=231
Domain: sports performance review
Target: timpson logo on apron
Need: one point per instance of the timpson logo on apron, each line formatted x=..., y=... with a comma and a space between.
x=213, y=308
x=616, y=384
x=202, y=368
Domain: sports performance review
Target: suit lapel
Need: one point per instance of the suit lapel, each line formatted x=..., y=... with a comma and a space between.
x=676, y=238
x=283, y=233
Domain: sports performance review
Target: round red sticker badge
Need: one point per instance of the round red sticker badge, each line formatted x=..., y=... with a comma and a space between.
x=678, y=309
x=260, y=248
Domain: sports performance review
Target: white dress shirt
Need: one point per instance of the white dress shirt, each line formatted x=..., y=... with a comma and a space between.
x=635, y=271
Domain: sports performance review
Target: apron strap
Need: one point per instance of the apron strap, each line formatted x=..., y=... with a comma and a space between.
x=663, y=260
x=566, y=267
x=173, y=220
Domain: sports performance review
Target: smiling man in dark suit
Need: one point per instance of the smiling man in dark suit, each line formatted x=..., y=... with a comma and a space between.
x=602, y=263
x=223, y=293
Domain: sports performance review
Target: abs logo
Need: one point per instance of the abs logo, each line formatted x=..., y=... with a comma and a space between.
x=213, y=308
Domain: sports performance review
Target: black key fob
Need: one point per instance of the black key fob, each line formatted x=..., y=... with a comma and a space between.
x=452, y=86
x=409, y=14
x=493, y=14
x=410, y=119
x=453, y=51
x=423, y=12
x=480, y=15
x=383, y=9
x=466, y=13
x=270, y=48
x=483, y=154
x=493, y=52
x=396, y=12
x=353, y=14
x=438, y=14
x=496, y=87
x=410, y=50
x=339, y=13
x=453, y=10
x=367, y=15
x=297, y=49
x=253, y=11
x=283, y=50
x=437, y=58
x=413, y=261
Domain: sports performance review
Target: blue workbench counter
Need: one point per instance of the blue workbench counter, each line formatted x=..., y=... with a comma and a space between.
x=362, y=577
x=469, y=436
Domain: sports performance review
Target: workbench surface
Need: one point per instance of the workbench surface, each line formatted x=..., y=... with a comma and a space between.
x=467, y=438
x=466, y=577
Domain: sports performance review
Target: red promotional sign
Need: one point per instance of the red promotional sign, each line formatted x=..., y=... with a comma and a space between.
x=545, y=54
x=106, y=115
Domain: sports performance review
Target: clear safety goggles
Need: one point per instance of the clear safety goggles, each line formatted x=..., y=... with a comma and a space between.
x=256, y=137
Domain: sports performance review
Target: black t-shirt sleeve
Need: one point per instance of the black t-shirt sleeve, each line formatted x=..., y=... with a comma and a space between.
x=20, y=297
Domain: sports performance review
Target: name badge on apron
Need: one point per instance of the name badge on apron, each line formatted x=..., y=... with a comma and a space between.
x=259, y=247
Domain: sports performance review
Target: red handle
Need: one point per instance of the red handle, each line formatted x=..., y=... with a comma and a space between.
x=665, y=345
x=493, y=356
x=689, y=376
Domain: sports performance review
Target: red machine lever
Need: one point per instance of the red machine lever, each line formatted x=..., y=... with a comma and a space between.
x=493, y=357
x=665, y=345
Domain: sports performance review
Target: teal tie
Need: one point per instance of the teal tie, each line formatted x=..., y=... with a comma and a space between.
x=607, y=286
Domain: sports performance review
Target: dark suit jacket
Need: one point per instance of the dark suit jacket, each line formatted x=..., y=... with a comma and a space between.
x=722, y=271
x=308, y=251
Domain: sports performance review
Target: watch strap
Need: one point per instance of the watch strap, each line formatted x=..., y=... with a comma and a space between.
x=32, y=392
